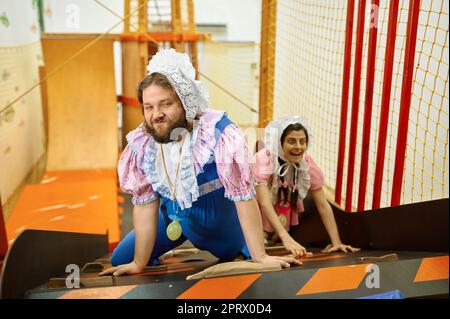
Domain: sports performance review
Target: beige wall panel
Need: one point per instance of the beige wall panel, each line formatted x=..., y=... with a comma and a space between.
x=22, y=138
x=81, y=105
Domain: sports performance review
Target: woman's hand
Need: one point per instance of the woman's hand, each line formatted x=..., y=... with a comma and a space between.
x=285, y=262
x=340, y=247
x=294, y=247
x=126, y=269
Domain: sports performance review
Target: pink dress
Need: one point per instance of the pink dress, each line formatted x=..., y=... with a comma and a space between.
x=263, y=169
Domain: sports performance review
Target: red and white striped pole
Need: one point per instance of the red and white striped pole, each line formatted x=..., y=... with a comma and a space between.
x=371, y=59
x=355, y=103
x=385, y=102
x=405, y=101
x=344, y=100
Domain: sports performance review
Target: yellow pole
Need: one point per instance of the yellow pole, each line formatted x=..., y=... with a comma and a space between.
x=143, y=30
x=267, y=61
x=126, y=25
x=143, y=20
x=192, y=29
x=177, y=27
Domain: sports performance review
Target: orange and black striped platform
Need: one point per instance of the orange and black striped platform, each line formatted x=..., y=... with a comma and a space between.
x=336, y=275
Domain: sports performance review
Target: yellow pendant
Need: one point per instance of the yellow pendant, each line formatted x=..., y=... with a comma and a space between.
x=174, y=230
x=283, y=220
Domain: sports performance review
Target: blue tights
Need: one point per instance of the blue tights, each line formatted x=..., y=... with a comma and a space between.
x=211, y=224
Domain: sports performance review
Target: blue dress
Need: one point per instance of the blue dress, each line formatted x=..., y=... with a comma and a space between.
x=211, y=223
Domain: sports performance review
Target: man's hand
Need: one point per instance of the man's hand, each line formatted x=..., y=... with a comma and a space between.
x=285, y=262
x=127, y=269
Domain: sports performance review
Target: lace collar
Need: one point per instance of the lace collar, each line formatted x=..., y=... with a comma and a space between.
x=196, y=153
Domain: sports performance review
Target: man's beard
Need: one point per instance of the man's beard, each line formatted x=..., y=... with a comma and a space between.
x=166, y=136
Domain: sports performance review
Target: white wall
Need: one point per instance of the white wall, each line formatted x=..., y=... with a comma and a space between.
x=22, y=136
x=82, y=16
x=22, y=26
x=242, y=17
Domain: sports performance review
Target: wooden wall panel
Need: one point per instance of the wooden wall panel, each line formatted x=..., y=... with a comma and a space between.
x=82, y=111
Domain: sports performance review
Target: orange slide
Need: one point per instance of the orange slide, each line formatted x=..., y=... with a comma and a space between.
x=82, y=201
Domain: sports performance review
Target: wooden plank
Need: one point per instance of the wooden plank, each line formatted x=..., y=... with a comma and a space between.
x=153, y=37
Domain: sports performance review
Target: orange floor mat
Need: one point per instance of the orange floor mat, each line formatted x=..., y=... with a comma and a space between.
x=83, y=201
x=229, y=287
x=432, y=268
x=334, y=279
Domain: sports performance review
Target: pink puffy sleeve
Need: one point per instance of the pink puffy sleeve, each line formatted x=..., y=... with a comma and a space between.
x=233, y=167
x=132, y=179
x=316, y=174
x=262, y=166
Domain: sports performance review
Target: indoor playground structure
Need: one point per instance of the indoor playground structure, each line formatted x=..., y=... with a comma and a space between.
x=370, y=76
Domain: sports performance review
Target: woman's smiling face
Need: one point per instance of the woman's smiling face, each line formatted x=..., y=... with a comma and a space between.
x=294, y=146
